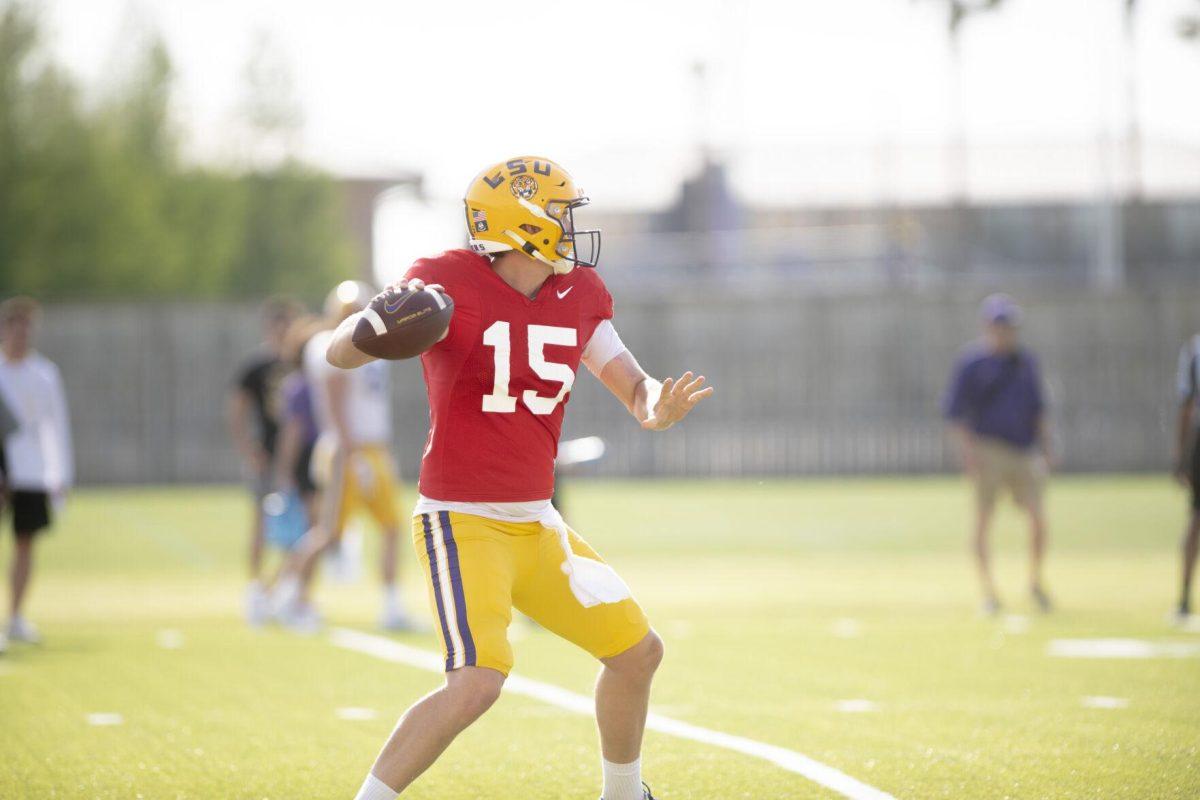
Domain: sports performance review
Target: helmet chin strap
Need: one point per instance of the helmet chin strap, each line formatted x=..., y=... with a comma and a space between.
x=560, y=266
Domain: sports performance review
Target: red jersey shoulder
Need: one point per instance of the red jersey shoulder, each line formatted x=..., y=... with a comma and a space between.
x=450, y=267
x=591, y=285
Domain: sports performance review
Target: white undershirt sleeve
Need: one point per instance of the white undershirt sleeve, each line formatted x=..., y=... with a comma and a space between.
x=603, y=347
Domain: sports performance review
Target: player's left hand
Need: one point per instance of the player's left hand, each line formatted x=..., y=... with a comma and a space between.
x=676, y=400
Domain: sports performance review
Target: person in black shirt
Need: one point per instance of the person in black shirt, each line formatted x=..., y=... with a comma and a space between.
x=254, y=407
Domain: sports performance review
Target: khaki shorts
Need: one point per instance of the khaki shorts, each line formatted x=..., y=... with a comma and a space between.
x=1002, y=466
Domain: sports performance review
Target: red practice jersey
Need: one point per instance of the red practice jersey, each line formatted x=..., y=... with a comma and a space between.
x=500, y=381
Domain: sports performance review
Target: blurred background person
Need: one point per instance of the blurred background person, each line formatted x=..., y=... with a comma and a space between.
x=995, y=406
x=298, y=422
x=8, y=424
x=254, y=425
x=352, y=465
x=1187, y=468
x=287, y=512
x=38, y=455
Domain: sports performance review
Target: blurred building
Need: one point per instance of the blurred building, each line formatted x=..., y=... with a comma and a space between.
x=710, y=234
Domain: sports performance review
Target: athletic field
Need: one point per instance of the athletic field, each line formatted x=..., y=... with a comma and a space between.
x=833, y=620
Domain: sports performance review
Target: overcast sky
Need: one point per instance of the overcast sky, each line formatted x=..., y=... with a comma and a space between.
x=809, y=99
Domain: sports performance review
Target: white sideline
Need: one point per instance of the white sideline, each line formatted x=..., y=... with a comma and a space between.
x=823, y=774
x=1120, y=648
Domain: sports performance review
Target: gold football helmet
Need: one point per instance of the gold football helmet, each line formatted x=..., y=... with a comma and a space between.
x=527, y=204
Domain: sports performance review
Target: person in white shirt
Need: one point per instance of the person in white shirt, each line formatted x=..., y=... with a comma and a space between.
x=37, y=455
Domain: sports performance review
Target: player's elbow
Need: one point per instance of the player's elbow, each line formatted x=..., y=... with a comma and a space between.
x=337, y=354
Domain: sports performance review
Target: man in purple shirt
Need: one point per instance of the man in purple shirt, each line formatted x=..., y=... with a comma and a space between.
x=994, y=403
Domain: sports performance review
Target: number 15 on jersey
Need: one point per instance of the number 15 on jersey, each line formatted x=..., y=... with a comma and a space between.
x=499, y=337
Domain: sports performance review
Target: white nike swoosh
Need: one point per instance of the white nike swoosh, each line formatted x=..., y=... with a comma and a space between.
x=564, y=292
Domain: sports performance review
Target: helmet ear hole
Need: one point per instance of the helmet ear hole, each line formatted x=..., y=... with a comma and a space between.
x=530, y=229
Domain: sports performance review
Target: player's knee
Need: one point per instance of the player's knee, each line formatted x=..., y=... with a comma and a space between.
x=655, y=650
x=642, y=659
x=473, y=691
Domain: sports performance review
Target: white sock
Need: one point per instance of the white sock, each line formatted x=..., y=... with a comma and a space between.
x=622, y=781
x=391, y=598
x=375, y=789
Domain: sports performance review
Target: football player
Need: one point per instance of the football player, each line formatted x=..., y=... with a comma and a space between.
x=485, y=532
x=352, y=465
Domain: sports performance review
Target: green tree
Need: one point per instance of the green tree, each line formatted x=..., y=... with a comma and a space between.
x=98, y=203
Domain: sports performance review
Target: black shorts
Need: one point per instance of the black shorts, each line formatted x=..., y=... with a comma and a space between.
x=30, y=511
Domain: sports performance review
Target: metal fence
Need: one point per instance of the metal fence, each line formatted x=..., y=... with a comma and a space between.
x=805, y=384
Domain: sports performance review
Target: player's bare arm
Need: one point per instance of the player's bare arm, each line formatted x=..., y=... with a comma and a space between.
x=287, y=453
x=1045, y=442
x=338, y=391
x=966, y=447
x=1183, y=433
x=656, y=406
x=342, y=353
x=238, y=417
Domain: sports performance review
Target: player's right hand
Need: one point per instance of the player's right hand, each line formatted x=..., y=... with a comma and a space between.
x=413, y=285
x=416, y=285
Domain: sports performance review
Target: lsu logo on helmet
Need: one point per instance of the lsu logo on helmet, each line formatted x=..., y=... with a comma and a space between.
x=527, y=204
x=524, y=187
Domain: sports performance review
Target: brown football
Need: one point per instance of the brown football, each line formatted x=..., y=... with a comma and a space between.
x=402, y=324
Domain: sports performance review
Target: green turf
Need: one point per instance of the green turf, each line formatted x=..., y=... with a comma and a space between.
x=749, y=583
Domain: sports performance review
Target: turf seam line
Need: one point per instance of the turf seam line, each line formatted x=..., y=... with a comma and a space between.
x=791, y=760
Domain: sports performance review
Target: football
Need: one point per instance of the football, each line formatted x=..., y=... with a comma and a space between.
x=401, y=324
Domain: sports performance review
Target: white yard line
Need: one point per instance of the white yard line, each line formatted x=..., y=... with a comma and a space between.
x=1099, y=701
x=105, y=719
x=1120, y=648
x=356, y=714
x=817, y=772
x=170, y=639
